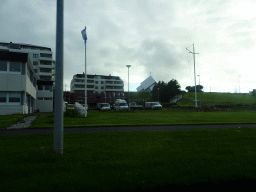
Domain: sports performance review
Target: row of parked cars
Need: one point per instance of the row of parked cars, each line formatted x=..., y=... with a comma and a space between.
x=121, y=104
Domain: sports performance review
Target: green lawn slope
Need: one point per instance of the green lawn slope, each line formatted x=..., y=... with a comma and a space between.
x=218, y=99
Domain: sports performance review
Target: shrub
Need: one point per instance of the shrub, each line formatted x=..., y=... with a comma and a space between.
x=71, y=113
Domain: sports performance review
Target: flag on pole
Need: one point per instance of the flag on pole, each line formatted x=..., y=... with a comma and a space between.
x=83, y=32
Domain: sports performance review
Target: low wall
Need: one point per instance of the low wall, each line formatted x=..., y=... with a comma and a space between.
x=13, y=109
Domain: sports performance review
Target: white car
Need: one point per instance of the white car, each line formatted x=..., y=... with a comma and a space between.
x=153, y=105
x=104, y=107
x=121, y=104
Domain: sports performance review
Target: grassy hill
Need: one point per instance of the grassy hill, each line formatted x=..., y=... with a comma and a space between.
x=214, y=99
x=138, y=95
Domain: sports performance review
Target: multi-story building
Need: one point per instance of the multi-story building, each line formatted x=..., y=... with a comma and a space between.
x=96, y=84
x=17, y=83
x=98, y=87
x=43, y=65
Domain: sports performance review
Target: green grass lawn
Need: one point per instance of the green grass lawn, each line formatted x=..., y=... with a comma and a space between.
x=213, y=98
x=137, y=118
x=114, y=161
x=8, y=120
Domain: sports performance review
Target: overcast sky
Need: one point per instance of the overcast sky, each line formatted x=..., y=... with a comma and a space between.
x=150, y=35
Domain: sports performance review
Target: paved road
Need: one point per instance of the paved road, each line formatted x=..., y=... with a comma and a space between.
x=130, y=128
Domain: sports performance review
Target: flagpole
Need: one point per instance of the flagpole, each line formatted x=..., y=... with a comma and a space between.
x=85, y=76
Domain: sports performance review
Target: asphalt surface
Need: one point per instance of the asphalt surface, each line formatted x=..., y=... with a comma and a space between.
x=27, y=131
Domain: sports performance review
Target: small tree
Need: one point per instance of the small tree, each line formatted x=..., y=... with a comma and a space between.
x=199, y=88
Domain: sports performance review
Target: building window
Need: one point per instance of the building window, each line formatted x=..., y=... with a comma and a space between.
x=35, y=63
x=3, y=96
x=47, y=98
x=102, y=82
x=40, y=87
x=102, y=87
x=15, y=67
x=3, y=65
x=35, y=55
x=13, y=46
x=47, y=87
x=14, y=97
x=45, y=55
x=45, y=77
x=45, y=70
x=36, y=70
x=96, y=82
x=40, y=98
x=96, y=87
x=45, y=62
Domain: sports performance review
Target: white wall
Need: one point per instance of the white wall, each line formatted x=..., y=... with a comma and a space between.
x=13, y=109
x=44, y=105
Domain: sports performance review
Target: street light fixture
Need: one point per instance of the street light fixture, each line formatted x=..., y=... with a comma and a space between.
x=128, y=87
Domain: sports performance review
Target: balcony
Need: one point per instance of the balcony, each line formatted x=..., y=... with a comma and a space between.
x=45, y=72
x=78, y=83
x=114, y=89
x=46, y=64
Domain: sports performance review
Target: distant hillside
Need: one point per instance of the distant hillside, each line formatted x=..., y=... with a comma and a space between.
x=214, y=98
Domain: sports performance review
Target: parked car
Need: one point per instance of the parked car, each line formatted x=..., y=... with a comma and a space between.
x=97, y=107
x=153, y=105
x=121, y=104
x=105, y=107
x=133, y=105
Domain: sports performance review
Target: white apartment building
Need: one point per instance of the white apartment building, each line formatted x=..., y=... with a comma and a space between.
x=43, y=65
x=17, y=83
x=96, y=84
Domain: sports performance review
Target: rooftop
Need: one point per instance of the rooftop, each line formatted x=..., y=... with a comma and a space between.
x=22, y=45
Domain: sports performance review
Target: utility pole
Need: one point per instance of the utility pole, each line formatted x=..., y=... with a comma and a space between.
x=194, y=71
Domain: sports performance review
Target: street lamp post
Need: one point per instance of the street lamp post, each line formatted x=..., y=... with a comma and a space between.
x=128, y=87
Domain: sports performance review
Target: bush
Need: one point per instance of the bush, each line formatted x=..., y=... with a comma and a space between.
x=71, y=113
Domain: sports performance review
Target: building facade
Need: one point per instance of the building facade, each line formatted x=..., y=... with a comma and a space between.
x=17, y=83
x=98, y=87
x=44, y=67
x=147, y=85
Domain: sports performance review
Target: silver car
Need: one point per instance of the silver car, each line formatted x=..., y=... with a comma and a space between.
x=104, y=107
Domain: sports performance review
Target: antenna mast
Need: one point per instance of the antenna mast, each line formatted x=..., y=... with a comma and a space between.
x=194, y=70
